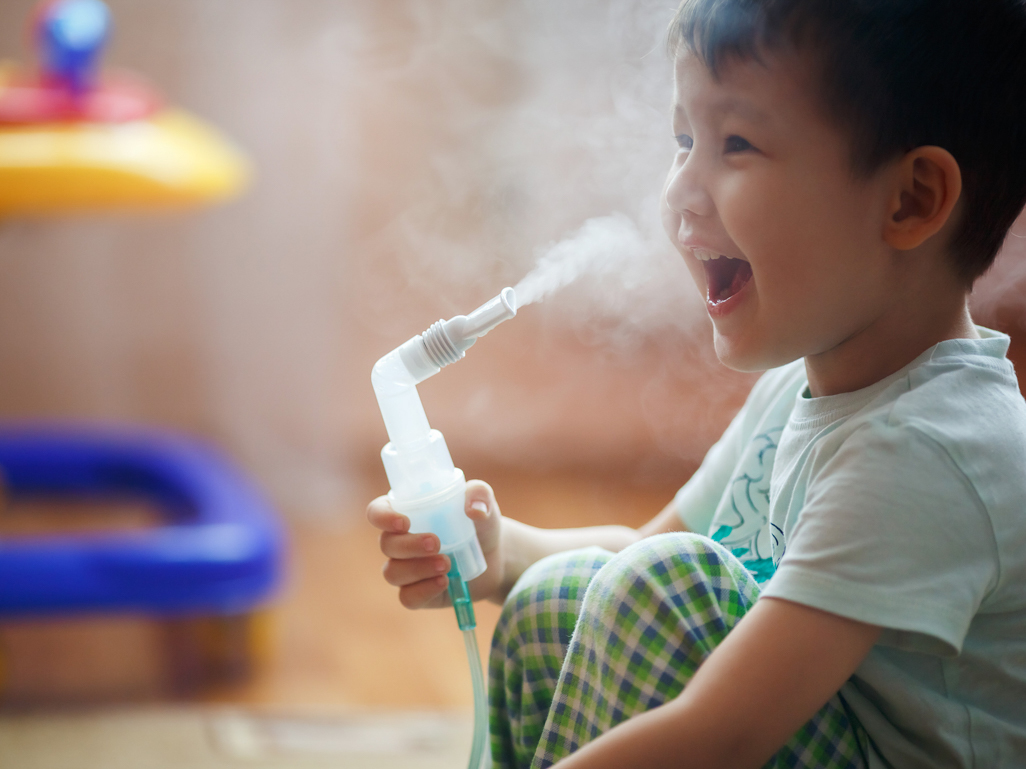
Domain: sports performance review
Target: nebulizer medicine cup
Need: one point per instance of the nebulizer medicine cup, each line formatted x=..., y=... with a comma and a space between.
x=443, y=513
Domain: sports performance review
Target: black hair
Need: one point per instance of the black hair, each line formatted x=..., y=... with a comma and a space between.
x=900, y=74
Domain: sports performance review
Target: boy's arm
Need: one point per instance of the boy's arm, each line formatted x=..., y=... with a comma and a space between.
x=526, y=544
x=772, y=673
x=533, y=543
x=509, y=547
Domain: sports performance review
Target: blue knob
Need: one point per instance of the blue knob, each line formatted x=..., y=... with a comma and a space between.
x=71, y=35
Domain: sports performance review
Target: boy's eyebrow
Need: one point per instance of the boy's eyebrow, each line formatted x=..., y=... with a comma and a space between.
x=729, y=105
x=741, y=107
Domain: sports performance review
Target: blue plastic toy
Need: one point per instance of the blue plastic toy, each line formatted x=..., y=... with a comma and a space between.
x=220, y=552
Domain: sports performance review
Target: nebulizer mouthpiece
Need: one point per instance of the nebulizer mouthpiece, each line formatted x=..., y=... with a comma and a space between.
x=447, y=341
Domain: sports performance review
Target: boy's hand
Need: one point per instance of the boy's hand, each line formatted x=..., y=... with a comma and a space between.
x=414, y=564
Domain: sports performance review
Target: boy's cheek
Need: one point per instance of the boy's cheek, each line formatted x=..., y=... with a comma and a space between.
x=749, y=206
x=671, y=223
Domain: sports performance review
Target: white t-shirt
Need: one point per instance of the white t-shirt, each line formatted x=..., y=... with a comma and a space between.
x=901, y=505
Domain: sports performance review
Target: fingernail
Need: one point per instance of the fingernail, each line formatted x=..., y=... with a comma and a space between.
x=428, y=543
x=480, y=506
x=398, y=526
x=440, y=565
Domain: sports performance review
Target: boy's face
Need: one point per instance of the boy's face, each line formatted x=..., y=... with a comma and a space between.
x=763, y=178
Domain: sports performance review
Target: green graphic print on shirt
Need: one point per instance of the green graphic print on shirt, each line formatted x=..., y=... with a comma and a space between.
x=741, y=523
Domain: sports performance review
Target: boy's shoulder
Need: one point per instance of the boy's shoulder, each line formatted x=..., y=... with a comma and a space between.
x=961, y=396
x=960, y=392
x=965, y=398
x=954, y=418
x=957, y=407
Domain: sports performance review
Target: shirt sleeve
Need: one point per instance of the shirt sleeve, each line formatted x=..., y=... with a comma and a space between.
x=893, y=534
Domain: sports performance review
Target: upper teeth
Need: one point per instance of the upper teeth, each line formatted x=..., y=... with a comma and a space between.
x=704, y=256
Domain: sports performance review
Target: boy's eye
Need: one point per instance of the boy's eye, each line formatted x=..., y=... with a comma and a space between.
x=684, y=141
x=736, y=144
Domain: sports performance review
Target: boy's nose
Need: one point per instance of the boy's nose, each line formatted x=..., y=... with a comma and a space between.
x=685, y=192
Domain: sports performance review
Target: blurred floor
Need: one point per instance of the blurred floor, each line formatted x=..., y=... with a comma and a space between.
x=204, y=738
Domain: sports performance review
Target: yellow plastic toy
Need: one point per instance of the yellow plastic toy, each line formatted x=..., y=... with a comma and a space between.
x=71, y=141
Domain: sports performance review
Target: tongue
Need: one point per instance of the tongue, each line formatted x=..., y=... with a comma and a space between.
x=726, y=277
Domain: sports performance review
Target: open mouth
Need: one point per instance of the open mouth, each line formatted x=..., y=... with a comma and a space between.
x=725, y=277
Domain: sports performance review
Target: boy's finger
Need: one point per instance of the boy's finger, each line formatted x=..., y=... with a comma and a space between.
x=380, y=503
x=480, y=500
x=483, y=510
x=408, y=545
x=400, y=572
x=424, y=594
x=381, y=516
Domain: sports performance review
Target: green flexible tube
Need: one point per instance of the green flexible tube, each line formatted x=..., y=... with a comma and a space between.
x=480, y=756
x=460, y=595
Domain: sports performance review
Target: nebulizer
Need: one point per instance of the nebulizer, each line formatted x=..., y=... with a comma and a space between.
x=426, y=486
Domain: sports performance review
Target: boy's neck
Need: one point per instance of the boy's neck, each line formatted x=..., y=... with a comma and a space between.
x=891, y=343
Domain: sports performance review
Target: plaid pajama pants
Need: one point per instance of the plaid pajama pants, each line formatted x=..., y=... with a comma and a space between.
x=588, y=638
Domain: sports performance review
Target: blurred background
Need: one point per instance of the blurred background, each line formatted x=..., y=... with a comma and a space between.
x=409, y=160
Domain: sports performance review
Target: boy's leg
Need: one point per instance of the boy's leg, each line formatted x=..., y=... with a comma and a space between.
x=649, y=619
x=528, y=649
x=652, y=616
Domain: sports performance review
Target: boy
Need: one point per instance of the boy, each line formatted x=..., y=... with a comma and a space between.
x=846, y=170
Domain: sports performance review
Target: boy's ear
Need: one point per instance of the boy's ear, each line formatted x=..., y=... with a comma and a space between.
x=929, y=183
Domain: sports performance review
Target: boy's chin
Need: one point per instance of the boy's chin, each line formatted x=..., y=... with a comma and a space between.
x=747, y=356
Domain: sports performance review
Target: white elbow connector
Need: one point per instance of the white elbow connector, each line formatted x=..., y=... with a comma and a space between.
x=425, y=485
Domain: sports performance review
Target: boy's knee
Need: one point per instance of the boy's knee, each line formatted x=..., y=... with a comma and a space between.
x=684, y=548
x=674, y=565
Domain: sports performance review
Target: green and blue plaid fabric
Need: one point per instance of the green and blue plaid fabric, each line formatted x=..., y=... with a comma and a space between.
x=588, y=639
